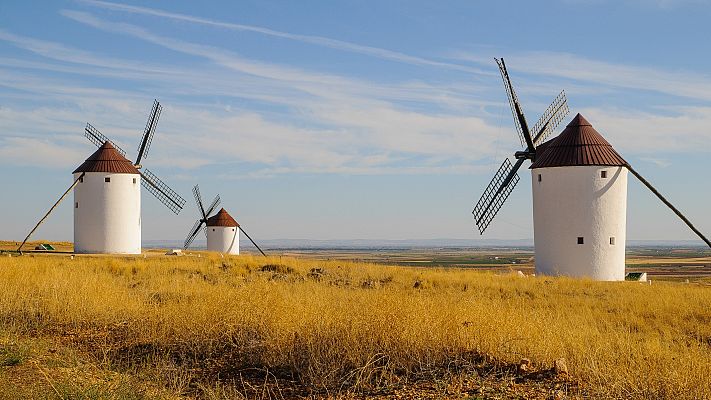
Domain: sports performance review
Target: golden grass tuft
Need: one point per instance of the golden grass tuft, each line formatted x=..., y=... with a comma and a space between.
x=341, y=326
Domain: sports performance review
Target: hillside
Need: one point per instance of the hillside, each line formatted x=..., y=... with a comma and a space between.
x=249, y=327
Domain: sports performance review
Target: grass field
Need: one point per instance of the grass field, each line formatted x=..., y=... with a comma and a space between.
x=283, y=327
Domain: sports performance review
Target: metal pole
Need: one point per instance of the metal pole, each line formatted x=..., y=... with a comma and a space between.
x=19, y=249
x=665, y=201
x=250, y=239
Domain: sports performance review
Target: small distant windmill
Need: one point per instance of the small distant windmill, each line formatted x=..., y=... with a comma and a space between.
x=221, y=230
x=579, y=194
x=107, y=207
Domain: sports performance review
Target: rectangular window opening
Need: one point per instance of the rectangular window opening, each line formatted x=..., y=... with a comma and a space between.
x=539, y=177
x=134, y=180
x=603, y=174
x=81, y=180
x=76, y=205
x=107, y=179
x=612, y=240
x=580, y=240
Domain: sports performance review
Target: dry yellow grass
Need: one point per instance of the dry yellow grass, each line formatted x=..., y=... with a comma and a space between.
x=340, y=326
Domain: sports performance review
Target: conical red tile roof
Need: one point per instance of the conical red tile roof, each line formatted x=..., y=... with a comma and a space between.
x=107, y=159
x=578, y=144
x=222, y=218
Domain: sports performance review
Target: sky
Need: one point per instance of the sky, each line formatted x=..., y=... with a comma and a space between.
x=349, y=119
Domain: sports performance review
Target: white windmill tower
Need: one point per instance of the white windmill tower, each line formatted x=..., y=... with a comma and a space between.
x=107, y=204
x=221, y=229
x=579, y=205
x=222, y=233
x=579, y=194
x=107, y=196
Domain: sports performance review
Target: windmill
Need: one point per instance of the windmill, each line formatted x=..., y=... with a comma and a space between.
x=506, y=177
x=107, y=202
x=221, y=230
x=579, y=190
x=150, y=181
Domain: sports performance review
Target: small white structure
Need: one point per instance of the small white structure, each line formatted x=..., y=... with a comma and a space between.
x=639, y=277
x=107, y=204
x=579, y=205
x=222, y=233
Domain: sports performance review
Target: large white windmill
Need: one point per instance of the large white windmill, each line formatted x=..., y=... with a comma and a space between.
x=579, y=194
x=221, y=230
x=107, y=195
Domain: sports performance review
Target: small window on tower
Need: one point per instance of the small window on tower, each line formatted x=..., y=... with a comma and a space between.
x=213, y=229
x=76, y=205
x=134, y=180
x=81, y=179
x=603, y=174
x=539, y=177
x=612, y=240
x=233, y=229
x=107, y=179
x=580, y=240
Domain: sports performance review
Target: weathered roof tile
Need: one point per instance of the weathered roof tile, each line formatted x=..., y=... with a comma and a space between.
x=107, y=159
x=578, y=144
x=222, y=218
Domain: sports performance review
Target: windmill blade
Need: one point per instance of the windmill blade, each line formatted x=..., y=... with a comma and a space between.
x=250, y=239
x=161, y=191
x=213, y=205
x=519, y=119
x=668, y=204
x=193, y=233
x=550, y=119
x=99, y=139
x=496, y=193
x=198, y=200
x=148, y=133
x=76, y=181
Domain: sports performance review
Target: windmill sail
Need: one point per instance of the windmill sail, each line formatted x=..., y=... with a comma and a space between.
x=550, y=119
x=496, y=193
x=99, y=139
x=198, y=200
x=193, y=233
x=204, y=215
x=214, y=205
x=506, y=177
x=148, y=133
x=162, y=192
x=516, y=109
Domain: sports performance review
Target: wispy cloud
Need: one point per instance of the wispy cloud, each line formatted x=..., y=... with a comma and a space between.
x=27, y=151
x=675, y=130
x=596, y=72
x=304, y=121
x=310, y=39
x=332, y=124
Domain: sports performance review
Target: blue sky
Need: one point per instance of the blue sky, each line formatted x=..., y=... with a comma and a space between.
x=349, y=119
